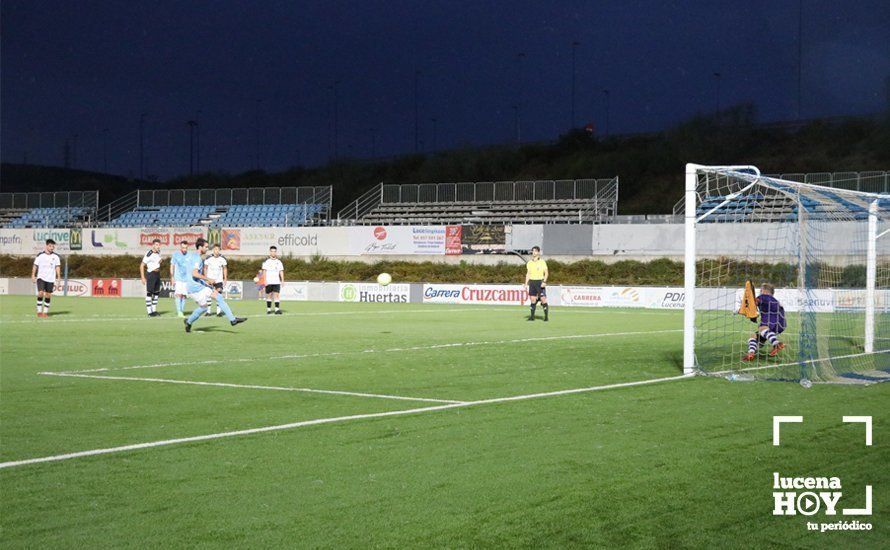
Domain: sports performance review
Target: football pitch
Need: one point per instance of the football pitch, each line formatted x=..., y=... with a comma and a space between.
x=405, y=425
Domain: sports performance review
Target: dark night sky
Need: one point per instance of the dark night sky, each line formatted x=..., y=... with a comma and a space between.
x=79, y=67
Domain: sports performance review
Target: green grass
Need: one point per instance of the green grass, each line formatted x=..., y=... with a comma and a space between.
x=677, y=464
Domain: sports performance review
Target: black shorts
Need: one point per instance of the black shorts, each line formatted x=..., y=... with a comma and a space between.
x=536, y=288
x=43, y=286
x=218, y=286
x=153, y=282
x=273, y=288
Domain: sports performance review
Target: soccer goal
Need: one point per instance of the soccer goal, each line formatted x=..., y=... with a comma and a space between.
x=826, y=251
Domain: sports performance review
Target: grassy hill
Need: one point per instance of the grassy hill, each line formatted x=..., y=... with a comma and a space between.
x=650, y=166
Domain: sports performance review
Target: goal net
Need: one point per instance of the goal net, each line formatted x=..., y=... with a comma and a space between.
x=826, y=253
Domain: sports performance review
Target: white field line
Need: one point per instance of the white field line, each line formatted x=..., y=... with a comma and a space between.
x=251, y=386
x=172, y=315
x=796, y=363
x=369, y=351
x=336, y=419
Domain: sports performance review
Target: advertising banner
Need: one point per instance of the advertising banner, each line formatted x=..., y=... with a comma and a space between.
x=39, y=237
x=75, y=287
x=586, y=296
x=295, y=291
x=119, y=241
x=508, y=295
x=399, y=239
x=372, y=292
x=453, y=235
x=483, y=239
x=4, y=286
x=106, y=288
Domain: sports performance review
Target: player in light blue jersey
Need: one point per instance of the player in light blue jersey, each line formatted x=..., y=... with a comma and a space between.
x=180, y=275
x=200, y=288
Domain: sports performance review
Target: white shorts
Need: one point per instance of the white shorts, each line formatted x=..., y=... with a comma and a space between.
x=180, y=288
x=202, y=297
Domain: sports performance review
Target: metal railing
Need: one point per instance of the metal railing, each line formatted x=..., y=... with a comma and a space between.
x=149, y=198
x=599, y=193
x=874, y=181
x=78, y=207
x=53, y=199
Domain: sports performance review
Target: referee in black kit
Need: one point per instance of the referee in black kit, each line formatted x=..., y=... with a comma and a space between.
x=150, y=272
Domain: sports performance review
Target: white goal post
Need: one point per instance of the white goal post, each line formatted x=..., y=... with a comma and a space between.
x=822, y=250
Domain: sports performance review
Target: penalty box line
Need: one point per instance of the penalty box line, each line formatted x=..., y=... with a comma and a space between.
x=145, y=318
x=332, y=420
x=250, y=386
x=430, y=347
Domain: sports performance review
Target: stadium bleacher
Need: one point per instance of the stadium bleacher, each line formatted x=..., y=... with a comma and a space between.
x=157, y=216
x=239, y=215
x=225, y=207
x=545, y=202
x=64, y=216
x=267, y=215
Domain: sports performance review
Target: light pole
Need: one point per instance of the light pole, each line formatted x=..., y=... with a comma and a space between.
x=192, y=124
x=516, y=128
x=417, y=74
x=256, y=125
x=606, y=93
x=518, y=107
x=717, y=112
x=105, y=150
x=336, y=120
x=433, y=121
x=799, y=56
x=198, y=142
x=142, y=146
x=574, y=48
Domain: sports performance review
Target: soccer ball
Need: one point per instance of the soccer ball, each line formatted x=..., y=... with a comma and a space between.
x=384, y=279
x=256, y=279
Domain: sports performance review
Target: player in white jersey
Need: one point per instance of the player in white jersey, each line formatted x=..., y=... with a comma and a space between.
x=216, y=268
x=150, y=273
x=273, y=274
x=44, y=273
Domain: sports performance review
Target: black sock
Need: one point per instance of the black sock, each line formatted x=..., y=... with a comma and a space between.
x=46, y=305
x=534, y=305
x=40, y=304
x=277, y=306
x=268, y=305
x=546, y=308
